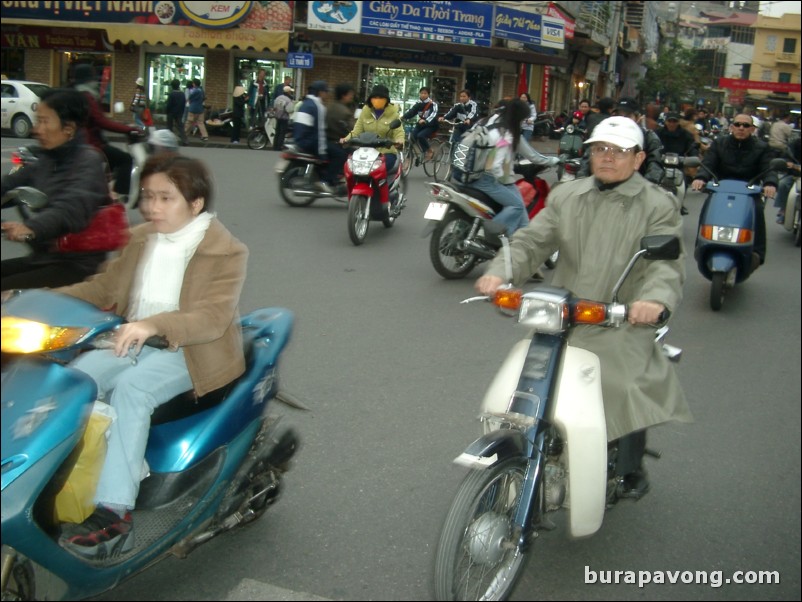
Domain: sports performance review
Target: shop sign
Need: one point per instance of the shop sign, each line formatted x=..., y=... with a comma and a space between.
x=746, y=84
x=568, y=23
x=300, y=60
x=343, y=17
x=454, y=22
x=397, y=55
x=529, y=28
x=25, y=36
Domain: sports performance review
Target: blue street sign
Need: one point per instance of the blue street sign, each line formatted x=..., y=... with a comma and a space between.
x=300, y=60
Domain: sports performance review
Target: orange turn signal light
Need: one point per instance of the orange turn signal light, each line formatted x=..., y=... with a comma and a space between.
x=589, y=312
x=508, y=298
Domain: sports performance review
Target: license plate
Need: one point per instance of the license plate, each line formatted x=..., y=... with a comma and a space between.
x=281, y=165
x=436, y=211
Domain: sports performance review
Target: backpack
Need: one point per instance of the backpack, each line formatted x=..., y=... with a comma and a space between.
x=472, y=153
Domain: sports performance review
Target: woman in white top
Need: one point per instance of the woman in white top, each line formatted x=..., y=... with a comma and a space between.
x=528, y=125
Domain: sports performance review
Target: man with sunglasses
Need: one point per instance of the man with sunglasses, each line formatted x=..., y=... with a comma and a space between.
x=597, y=223
x=741, y=156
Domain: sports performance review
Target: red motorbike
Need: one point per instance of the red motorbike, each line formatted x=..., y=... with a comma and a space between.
x=373, y=194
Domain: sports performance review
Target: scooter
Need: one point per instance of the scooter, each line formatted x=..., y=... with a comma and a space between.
x=460, y=221
x=215, y=461
x=373, y=194
x=572, y=139
x=299, y=178
x=724, y=250
x=262, y=134
x=544, y=445
x=792, y=212
x=674, y=174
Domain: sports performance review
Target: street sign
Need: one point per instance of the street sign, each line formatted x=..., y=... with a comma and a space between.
x=300, y=60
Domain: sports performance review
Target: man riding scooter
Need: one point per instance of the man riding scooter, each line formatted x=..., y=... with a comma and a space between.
x=741, y=156
x=309, y=131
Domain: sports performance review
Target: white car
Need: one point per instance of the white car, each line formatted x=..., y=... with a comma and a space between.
x=19, y=100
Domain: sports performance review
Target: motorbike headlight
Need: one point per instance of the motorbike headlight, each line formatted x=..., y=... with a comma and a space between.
x=361, y=167
x=26, y=336
x=726, y=234
x=545, y=312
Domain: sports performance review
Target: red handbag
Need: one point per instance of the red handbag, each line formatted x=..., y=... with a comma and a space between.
x=108, y=231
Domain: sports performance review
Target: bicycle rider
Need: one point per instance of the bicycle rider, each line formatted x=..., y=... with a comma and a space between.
x=466, y=112
x=426, y=110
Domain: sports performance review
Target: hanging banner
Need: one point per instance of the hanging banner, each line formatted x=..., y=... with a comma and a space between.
x=746, y=84
x=544, y=92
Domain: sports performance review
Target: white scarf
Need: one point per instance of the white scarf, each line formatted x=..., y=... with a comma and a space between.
x=160, y=274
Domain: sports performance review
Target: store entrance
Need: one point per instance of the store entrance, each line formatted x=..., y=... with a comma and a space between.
x=163, y=69
x=404, y=84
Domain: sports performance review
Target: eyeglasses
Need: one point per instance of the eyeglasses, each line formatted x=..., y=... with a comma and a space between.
x=740, y=124
x=610, y=151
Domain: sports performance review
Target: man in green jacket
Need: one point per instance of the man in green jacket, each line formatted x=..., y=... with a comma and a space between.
x=597, y=223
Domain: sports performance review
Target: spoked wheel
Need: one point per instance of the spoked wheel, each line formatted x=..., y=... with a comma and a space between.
x=358, y=218
x=21, y=581
x=442, y=163
x=257, y=139
x=409, y=159
x=717, y=291
x=447, y=258
x=430, y=165
x=477, y=558
x=293, y=179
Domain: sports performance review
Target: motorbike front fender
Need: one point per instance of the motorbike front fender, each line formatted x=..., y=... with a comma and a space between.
x=492, y=448
x=361, y=188
x=719, y=261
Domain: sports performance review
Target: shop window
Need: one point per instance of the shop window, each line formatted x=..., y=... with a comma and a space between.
x=101, y=63
x=163, y=69
x=404, y=84
x=479, y=80
x=13, y=63
x=246, y=71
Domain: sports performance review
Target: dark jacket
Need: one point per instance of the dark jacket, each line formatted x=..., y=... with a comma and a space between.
x=593, y=119
x=424, y=110
x=679, y=141
x=239, y=103
x=469, y=110
x=176, y=103
x=73, y=178
x=196, y=98
x=732, y=159
x=309, y=127
x=652, y=167
x=339, y=121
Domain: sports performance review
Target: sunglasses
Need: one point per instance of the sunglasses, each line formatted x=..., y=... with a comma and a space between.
x=740, y=124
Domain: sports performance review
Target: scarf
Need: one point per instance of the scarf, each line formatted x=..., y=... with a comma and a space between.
x=160, y=274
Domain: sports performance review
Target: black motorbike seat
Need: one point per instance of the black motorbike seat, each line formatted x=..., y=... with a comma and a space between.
x=188, y=403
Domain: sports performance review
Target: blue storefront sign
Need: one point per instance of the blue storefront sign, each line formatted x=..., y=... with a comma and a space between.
x=300, y=60
x=454, y=22
x=529, y=28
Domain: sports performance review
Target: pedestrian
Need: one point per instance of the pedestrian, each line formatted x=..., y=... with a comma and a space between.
x=174, y=109
x=196, y=112
x=284, y=106
x=139, y=102
x=257, y=98
x=238, y=114
x=279, y=89
x=528, y=126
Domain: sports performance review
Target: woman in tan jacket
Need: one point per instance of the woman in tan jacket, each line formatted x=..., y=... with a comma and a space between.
x=180, y=277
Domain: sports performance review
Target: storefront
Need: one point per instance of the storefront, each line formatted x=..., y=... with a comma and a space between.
x=162, y=69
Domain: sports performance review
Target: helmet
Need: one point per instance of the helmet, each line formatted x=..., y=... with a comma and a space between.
x=163, y=140
x=578, y=115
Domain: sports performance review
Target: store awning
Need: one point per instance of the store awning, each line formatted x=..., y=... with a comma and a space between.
x=255, y=39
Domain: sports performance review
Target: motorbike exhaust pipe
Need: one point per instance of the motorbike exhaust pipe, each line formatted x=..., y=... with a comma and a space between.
x=471, y=246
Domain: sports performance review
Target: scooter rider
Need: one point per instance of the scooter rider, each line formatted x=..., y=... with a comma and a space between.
x=741, y=156
x=426, y=110
x=677, y=140
x=309, y=128
x=597, y=223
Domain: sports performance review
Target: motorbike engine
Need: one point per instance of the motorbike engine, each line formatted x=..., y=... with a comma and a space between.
x=555, y=476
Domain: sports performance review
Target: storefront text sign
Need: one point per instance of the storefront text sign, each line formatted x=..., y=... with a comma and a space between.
x=300, y=60
x=335, y=16
x=529, y=28
x=399, y=55
x=454, y=22
x=746, y=84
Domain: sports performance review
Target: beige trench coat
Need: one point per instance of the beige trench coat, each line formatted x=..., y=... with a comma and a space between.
x=597, y=232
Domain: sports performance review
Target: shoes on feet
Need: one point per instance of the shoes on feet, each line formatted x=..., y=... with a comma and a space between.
x=102, y=535
x=205, y=139
x=781, y=217
x=683, y=211
x=324, y=187
x=635, y=485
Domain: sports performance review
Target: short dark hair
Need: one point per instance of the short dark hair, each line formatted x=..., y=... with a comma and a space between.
x=424, y=89
x=189, y=175
x=340, y=90
x=606, y=104
x=468, y=92
x=175, y=84
x=70, y=105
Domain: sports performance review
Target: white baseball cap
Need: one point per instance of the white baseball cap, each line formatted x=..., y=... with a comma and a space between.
x=621, y=131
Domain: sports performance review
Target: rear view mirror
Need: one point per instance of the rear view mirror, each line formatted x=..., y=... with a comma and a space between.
x=32, y=198
x=660, y=246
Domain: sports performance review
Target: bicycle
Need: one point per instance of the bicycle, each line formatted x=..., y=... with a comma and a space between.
x=414, y=155
x=442, y=158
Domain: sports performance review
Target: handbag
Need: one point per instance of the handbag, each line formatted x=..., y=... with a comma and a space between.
x=108, y=231
x=147, y=117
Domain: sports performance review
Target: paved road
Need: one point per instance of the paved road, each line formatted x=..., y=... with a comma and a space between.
x=394, y=368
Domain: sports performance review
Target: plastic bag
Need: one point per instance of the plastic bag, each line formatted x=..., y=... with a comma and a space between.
x=74, y=503
x=147, y=117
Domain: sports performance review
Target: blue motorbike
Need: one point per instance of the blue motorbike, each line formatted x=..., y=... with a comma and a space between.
x=725, y=239
x=215, y=461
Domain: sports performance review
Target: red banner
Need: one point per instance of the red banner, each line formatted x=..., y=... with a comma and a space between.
x=544, y=91
x=746, y=84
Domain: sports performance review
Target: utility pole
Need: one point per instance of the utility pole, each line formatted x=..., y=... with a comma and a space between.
x=618, y=10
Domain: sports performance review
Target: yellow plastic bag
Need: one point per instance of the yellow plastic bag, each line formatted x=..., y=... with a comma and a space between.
x=74, y=503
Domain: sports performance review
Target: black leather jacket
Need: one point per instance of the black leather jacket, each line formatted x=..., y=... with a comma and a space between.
x=732, y=159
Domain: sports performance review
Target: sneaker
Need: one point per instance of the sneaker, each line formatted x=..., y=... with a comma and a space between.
x=205, y=139
x=683, y=210
x=635, y=485
x=781, y=217
x=235, y=142
x=103, y=535
x=324, y=187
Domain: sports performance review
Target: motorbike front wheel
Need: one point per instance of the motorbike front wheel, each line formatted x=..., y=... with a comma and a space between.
x=717, y=291
x=797, y=225
x=358, y=218
x=292, y=179
x=477, y=556
x=444, y=247
x=257, y=139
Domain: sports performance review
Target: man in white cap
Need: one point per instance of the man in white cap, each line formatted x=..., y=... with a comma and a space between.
x=597, y=223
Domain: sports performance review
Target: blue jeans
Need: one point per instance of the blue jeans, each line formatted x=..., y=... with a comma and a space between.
x=513, y=215
x=136, y=390
x=783, y=189
x=421, y=133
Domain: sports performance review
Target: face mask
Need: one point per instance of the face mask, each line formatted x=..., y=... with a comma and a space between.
x=378, y=103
